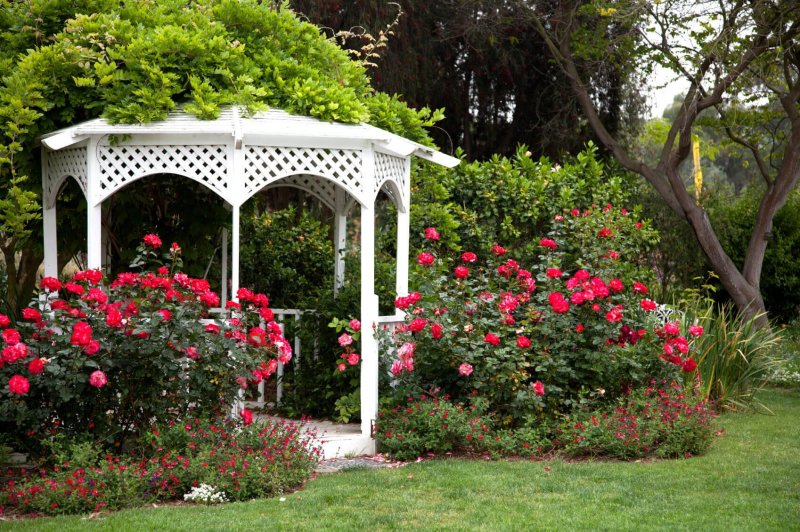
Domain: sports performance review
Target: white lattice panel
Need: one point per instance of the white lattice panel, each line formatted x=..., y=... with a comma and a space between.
x=265, y=164
x=323, y=189
x=120, y=165
x=63, y=163
x=389, y=168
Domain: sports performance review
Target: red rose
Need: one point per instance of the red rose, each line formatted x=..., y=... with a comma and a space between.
x=11, y=336
x=425, y=259
x=212, y=328
x=98, y=379
x=36, y=366
x=605, y=233
x=92, y=348
x=498, y=249
x=523, y=342
x=96, y=295
x=431, y=234
x=639, y=287
x=616, y=285
x=31, y=314
x=436, y=331
x=353, y=359
x=579, y=328
x=614, y=315
x=695, y=330
x=18, y=385
x=554, y=273
x=165, y=314
x=73, y=288
x=461, y=272
x=152, y=241
x=51, y=284
x=192, y=353
x=672, y=328
x=538, y=388
x=81, y=334
x=689, y=365
x=209, y=298
x=247, y=416
x=5, y=321
x=418, y=324
x=648, y=305
x=266, y=314
x=548, y=243
x=114, y=318
x=491, y=338
x=558, y=303
x=469, y=257
x=465, y=370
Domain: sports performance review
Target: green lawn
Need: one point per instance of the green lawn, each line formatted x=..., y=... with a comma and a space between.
x=750, y=480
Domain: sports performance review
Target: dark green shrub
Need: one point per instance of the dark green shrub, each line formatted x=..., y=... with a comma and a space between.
x=288, y=255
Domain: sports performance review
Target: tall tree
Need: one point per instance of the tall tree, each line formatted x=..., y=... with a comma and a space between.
x=741, y=58
x=484, y=64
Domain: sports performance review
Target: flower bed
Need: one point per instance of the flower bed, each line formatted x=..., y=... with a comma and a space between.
x=234, y=462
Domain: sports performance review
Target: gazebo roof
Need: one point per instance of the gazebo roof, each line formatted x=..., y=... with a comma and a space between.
x=277, y=127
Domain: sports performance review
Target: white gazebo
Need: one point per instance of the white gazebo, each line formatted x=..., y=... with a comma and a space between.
x=236, y=156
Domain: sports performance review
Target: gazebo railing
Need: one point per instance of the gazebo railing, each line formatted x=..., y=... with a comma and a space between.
x=282, y=317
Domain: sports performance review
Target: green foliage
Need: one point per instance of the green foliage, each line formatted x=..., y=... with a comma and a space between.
x=734, y=356
x=514, y=200
x=287, y=254
x=348, y=407
x=430, y=425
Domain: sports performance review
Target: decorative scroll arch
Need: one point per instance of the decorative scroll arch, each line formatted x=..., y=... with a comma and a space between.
x=60, y=166
x=392, y=190
x=320, y=186
x=267, y=165
x=392, y=171
x=121, y=165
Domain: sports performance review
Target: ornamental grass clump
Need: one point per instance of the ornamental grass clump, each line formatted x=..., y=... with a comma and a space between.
x=106, y=358
x=735, y=356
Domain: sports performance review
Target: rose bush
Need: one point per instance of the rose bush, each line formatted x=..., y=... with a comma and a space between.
x=537, y=342
x=109, y=358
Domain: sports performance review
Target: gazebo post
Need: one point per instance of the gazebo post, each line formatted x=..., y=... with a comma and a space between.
x=224, y=268
x=94, y=210
x=403, y=232
x=369, y=319
x=339, y=239
x=235, y=253
x=401, y=279
x=50, y=242
x=49, y=223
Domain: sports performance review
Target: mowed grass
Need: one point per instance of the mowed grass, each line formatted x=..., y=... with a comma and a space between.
x=750, y=480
